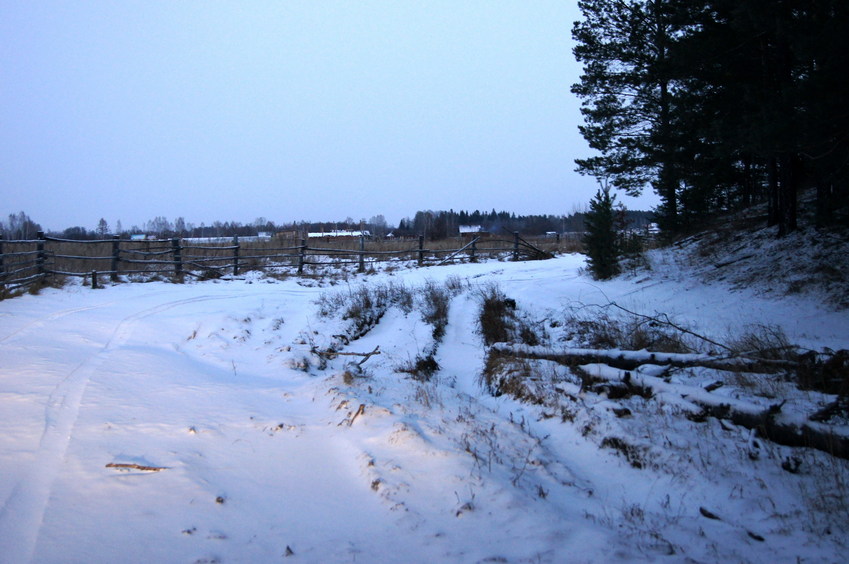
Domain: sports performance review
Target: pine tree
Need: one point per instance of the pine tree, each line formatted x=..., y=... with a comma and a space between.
x=600, y=240
x=629, y=97
x=717, y=104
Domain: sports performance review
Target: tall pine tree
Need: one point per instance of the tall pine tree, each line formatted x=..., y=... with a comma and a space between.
x=629, y=97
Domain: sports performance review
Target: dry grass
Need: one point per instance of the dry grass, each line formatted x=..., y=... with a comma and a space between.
x=598, y=328
x=435, y=301
x=496, y=315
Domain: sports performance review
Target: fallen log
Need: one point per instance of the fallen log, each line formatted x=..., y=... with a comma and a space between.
x=772, y=425
x=630, y=360
x=769, y=422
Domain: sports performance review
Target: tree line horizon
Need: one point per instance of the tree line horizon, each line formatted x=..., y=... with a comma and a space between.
x=432, y=224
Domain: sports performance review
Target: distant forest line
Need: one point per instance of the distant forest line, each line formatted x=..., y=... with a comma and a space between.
x=433, y=225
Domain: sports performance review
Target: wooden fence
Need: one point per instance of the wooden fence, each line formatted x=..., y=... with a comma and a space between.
x=27, y=262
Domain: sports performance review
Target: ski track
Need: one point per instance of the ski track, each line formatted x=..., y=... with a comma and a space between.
x=22, y=513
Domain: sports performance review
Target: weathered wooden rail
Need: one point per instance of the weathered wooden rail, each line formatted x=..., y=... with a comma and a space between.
x=27, y=262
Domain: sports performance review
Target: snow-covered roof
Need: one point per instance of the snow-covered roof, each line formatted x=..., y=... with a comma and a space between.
x=339, y=233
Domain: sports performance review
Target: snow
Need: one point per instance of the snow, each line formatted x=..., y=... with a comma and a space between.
x=266, y=454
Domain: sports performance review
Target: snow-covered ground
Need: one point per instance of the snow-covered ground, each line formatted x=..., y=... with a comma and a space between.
x=197, y=423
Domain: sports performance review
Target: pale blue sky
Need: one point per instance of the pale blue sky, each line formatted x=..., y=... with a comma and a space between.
x=287, y=110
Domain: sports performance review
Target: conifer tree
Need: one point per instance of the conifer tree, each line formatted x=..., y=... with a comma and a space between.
x=629, y=97
x=718, y=104
x=600, y=240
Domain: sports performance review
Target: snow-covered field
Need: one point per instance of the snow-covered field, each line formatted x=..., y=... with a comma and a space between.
x=196, y=423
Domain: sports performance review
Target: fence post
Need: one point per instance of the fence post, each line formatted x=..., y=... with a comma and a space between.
x=301, y=253
x=515, y=245
x=39, y=257
x=235, y=255
x=115, y=257
x=362, y=254
x=473, y=251
x=421, y=250
x=178, y=258
x=94, y=280
x=2, y=263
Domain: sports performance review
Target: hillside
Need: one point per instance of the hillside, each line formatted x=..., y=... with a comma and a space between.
x=740, y=251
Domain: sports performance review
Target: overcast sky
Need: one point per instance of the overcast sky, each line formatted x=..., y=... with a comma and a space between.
x=287, y=110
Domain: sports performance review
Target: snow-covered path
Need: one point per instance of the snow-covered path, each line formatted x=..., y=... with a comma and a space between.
x=25, y=507
x=123, y=386
x=267, y=452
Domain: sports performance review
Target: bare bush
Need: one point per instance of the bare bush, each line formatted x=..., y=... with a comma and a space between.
x=767, y=342
x=596, y=327
x=420, y=369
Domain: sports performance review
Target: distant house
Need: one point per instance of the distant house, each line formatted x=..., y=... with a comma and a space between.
x=340, y=233
x=138, y=237
x=469, y=231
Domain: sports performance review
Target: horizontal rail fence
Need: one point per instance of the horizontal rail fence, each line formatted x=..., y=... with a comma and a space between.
x=27, y=262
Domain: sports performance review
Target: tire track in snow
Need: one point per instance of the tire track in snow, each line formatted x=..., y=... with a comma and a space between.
x=22, y=513
x=47, y=319
x=41, y=322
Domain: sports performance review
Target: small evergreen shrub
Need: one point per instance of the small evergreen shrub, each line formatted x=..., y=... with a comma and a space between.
x=601, y=240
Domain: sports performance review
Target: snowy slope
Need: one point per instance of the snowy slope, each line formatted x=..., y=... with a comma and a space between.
x=241, y=443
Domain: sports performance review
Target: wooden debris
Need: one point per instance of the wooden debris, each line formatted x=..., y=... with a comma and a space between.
x=755, y=536
x=714, y=386
x=709, y=514
x=128, y=466
x=360, y=411
x=333, y=354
